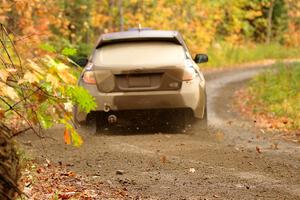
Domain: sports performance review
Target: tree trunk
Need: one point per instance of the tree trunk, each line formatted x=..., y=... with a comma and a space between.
x=270, y=17
x=120, y=5
x=9, y=166
x=111, y=15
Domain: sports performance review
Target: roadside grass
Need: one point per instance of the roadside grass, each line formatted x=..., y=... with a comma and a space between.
x=224, y=54
x=276, y=94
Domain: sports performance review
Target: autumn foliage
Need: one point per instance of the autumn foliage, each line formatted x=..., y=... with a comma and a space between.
x=272, y=100
x=203, y=23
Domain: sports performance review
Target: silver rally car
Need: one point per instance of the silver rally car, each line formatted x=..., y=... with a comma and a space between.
x=144, y=70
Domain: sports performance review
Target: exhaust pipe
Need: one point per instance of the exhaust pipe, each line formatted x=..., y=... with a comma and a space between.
x=112, y=119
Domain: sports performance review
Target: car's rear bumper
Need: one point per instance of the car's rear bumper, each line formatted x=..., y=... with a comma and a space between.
x=191, y=95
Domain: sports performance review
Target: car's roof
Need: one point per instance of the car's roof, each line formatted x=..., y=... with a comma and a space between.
x=140, y=35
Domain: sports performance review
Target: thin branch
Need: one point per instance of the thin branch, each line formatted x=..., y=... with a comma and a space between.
x=13, y=45
x=23, y=99
x=26, y=120
x=20, y=132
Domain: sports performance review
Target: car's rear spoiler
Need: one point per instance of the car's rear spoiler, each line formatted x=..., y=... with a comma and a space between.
x=108, y=42
x=144, y=35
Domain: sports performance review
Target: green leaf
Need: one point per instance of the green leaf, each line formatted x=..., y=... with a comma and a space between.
x=76, y=139
x=82, y=98
x=47, y=47
x=45, y=120
x=69, y=51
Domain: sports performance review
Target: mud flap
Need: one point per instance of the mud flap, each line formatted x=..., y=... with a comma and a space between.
x=200, y=125
x=90, y=124
x=195, y=125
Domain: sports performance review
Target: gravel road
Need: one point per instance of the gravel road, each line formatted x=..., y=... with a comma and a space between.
x=231, y=161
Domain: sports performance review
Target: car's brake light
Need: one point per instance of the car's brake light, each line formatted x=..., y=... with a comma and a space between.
x=189, y=74
x=88, y=77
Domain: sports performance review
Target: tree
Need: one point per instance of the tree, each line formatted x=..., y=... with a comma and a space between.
x=292, y=36
x=9, y=167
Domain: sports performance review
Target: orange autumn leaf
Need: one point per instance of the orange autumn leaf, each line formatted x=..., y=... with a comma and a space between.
x=67, y=137
x=1, y=114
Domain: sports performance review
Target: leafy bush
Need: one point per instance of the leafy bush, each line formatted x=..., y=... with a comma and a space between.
x=39, y=91
x=225, y=54
x=278, y=92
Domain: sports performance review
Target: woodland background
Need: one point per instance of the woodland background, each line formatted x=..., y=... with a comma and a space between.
x=229, y=30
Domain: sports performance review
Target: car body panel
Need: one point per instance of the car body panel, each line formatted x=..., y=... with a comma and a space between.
x=189, y=96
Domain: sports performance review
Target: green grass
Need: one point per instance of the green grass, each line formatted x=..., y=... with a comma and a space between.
x=226, y=55
x=277, y=92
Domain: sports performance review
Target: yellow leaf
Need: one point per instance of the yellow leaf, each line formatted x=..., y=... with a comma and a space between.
x=67, y=77
x=3, y=75
x=35, y=67
x=53, y=80
x=12, y=70
x=61, y=67
x=10, y=92
x=76, y=139
x=29, y=77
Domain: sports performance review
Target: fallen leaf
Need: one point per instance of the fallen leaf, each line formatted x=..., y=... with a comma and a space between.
x=258, y=150
x=192, y=170
x=66, y=195
x=71, y=174
x=120, y=172
x=40, y=170
x=274, y=146
x=220, y=136
x=163, y=159
x=48, y=162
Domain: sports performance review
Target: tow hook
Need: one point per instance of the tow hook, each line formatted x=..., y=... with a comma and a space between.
x=106, y=107
x=112, y=119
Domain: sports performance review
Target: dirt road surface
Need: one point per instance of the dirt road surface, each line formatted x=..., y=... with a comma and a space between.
x=232, y=161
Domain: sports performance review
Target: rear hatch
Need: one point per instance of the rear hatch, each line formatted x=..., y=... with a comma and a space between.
x=139, y=66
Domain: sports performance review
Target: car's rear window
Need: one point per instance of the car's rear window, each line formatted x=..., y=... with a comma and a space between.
x=140, y=54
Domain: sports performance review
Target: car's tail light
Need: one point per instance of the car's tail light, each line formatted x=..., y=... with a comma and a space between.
x=189, y=74
x=88, y=77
